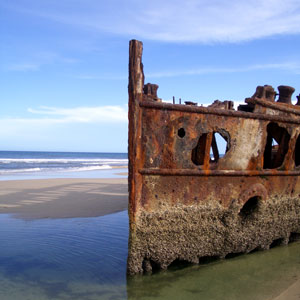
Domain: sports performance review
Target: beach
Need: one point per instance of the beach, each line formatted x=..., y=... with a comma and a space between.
x=63, y=197
x=67, y=198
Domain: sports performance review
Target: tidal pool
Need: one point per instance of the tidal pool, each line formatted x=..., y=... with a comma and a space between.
x=85, y=258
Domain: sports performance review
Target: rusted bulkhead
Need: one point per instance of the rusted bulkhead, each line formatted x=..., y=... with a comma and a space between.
x=187, y=200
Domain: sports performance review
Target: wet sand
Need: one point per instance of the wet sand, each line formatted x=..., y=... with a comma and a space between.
x=63, y=198
x=291, y=293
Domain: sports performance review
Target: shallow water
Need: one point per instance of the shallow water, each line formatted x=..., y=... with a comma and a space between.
x=85, y=258
x=81, y=258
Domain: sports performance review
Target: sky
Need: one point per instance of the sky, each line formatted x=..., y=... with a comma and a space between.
x=64, y=63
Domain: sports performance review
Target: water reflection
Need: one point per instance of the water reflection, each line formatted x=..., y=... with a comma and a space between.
x=82, y=258
x=260, y=275
x=85, y=258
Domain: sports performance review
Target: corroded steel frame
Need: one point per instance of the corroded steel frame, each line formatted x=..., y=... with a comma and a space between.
x=184, y=208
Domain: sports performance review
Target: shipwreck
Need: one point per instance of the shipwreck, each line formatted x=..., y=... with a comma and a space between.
x=188, y=202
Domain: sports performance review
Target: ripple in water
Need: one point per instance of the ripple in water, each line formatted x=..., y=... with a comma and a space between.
x=85, y=258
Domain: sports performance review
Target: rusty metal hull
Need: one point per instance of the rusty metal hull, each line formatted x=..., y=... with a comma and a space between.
x=184, y=205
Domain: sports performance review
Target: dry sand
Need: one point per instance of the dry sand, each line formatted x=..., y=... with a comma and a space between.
x=63, y=198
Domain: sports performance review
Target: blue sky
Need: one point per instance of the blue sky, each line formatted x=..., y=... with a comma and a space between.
x=64, y=64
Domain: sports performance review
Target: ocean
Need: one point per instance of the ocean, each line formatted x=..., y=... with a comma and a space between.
x=41, y=165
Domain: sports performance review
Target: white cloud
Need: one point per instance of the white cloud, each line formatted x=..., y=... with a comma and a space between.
x=46, y=117
x=100, y=114
x=24, y=67
x=56, y=122
x=203, y=21
x=67, y=129
x=287, y=66
x=34, y=61
x=292, y=67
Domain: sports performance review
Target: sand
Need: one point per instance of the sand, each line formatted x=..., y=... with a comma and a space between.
x=63, y=198
x=291, y=293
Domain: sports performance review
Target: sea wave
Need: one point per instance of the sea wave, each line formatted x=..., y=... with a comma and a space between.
x=63, y=160
x=56, y=170
x=91, y=168
x=20, y=170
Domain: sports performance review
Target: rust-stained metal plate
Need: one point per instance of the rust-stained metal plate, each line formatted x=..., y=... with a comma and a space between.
x=186, y=201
